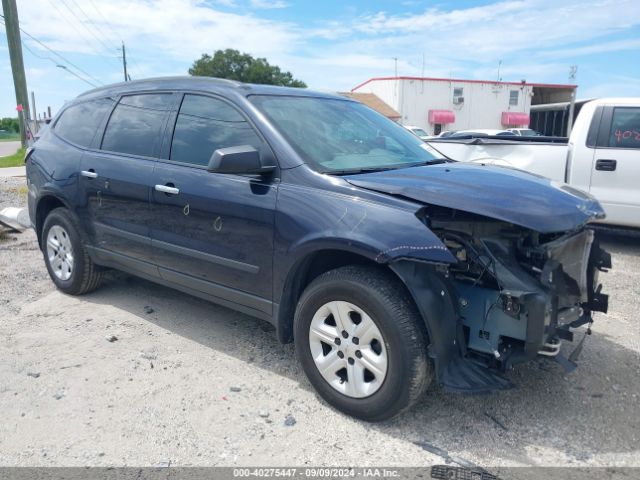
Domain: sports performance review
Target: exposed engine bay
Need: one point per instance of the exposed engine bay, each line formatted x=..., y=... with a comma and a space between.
x=519, y=292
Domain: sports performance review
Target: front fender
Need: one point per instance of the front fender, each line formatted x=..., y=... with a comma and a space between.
x=310, y=221
x=318, y=220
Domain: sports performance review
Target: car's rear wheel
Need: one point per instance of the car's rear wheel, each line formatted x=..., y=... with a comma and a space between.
x=361, y=342
x=68, y=262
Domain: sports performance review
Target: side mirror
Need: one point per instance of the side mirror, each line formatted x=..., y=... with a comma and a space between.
x=244, y=159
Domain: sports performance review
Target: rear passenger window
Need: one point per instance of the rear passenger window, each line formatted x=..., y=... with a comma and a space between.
x=206, y=124
x=625, y=128
x=135, y=125
x=78, y=123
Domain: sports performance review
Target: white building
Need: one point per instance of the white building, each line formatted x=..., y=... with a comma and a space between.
x=438, y=104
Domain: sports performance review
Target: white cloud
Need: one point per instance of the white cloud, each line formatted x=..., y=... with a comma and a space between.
x=535, y=39
x=268, y=4
x=181, y=29
x=614, y=46
x=493, y=31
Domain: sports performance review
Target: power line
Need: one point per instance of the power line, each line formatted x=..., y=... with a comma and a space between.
x=84, y=25
x=36, y=54
x=58, y=55
x=76, y=75
x=113, y=30
x=97, y=27
x=104, y=18
x=70, y=23
x=24, y=44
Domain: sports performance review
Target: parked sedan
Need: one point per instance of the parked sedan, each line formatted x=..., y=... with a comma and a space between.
x=481, y=132
x=524, y=132
x=418, y=132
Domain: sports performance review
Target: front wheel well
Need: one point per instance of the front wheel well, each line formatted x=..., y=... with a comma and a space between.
x=44, y=207
x=307, y=270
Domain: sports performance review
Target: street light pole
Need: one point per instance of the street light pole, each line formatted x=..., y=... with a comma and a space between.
x=64, y=67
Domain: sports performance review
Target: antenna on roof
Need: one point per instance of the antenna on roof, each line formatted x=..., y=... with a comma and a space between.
x=499, y=64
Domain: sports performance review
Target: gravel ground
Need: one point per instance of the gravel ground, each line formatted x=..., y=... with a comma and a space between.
x=186, y=382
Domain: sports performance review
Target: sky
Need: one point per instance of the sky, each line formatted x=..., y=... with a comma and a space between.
x=332, y=45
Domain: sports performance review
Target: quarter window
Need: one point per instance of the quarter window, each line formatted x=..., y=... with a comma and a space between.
x=135, y=126
x=78, y=123
x=513, y=97
x=205, y=125
x=625, y=128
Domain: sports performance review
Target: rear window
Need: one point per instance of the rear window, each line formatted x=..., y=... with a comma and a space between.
x=135, y=126
x=625, y=128
x=78, y=123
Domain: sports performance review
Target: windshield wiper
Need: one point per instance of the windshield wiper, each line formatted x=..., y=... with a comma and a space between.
x=355, y=171
x=435, y=161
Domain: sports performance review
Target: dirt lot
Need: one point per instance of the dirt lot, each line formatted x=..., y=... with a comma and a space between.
x=191, y=383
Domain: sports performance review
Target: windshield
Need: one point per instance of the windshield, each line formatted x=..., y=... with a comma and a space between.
x=420, y=132
x=342, y=136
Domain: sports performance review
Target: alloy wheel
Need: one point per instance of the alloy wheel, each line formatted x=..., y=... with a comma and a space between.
x=60, y=252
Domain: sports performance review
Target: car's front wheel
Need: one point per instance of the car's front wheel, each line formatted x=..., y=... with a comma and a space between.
x=68, y=262
x=360, y=341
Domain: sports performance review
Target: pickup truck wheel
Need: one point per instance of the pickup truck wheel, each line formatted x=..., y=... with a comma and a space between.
x=67, y=261
x=360, y=341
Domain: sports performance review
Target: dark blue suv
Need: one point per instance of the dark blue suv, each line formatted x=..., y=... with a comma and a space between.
x=387, y=264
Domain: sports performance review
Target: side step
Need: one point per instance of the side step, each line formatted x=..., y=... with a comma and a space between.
x=465, y=376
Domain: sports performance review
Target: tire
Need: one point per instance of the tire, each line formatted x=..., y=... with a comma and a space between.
x=68, y=262
x=389, y=367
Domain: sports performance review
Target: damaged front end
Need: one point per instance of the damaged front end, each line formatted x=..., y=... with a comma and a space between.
x=523, y=269
x=514, y=294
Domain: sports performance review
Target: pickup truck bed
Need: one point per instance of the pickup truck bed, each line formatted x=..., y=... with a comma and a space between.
x=546, y=156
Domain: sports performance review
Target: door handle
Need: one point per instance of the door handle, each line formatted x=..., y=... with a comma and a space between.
x=169, y=189
x=606, y=165
x=89, y=173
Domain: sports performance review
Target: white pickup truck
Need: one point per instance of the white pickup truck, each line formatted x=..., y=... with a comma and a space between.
x=602, y=156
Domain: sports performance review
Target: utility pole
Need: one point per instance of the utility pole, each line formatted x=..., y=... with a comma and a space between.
x=12, y=27
x=124, y=63
x=573, y=70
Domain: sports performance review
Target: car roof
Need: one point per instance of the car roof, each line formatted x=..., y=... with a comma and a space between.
x=204, y=84
x=617, y=100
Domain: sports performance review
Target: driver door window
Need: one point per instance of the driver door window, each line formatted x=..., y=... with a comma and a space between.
x=205, y=125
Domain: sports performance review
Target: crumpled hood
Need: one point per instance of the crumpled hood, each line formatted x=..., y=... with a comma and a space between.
x=501, y=193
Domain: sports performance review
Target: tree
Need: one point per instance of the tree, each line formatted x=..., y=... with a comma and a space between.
x=233, y=65
x=10, y=125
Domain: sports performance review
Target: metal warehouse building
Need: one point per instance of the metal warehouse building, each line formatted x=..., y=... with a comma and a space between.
x=438, y=104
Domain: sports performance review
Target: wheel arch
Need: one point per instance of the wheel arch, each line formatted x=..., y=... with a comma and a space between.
x=309, y=267
x=45, y=205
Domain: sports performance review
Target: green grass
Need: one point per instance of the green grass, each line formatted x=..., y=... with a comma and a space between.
x=15, y=160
